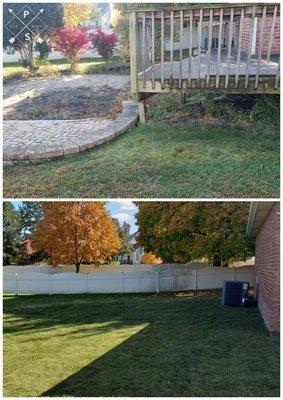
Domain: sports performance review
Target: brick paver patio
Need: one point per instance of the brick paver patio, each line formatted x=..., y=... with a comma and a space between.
x=27, y=140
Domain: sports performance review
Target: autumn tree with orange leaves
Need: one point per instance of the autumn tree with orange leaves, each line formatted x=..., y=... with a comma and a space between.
x=150, y=258
x=76, y=232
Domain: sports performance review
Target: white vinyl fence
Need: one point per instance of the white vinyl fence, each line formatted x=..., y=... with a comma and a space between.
x=157, y=278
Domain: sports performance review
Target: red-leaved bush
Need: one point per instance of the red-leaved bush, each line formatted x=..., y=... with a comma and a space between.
x=104, y=43
x=72, y=42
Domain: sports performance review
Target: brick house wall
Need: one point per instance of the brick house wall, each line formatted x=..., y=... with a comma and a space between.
x=247, y=29
x=267, y=270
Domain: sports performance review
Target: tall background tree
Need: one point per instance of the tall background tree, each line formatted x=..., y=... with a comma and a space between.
x=18, y=225
x=77, y=13
x=124, y=235
x=52, y=17
x=30, y=213
x=183, y=231
x=12, y=247
x=76, y=232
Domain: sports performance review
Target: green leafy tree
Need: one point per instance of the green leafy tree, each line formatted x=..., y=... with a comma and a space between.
x=43, y=50
x=183, y=231
x=124, y=236
x=96, y=15
x=12, y=247
x=30, y=213
x=121, y=25
x=51, y=16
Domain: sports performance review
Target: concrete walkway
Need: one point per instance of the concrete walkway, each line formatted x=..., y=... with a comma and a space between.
x=32, y=140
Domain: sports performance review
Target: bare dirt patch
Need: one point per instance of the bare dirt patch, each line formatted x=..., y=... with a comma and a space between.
x=69, y=103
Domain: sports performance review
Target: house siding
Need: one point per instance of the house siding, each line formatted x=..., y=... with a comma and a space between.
x=247, y=29
x=267, y=270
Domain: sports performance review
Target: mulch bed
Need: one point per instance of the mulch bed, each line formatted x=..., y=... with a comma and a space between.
x=68, y=103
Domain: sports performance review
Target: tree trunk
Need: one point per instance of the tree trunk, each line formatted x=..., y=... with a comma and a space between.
x=27, y=57
x=77, y=267
x=30, y=53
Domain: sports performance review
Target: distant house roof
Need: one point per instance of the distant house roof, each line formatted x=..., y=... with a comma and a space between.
x=132, y=237
x=259, y=210
x=28, y=246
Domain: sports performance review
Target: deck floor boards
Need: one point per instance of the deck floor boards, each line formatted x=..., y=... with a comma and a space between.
x=266, y=69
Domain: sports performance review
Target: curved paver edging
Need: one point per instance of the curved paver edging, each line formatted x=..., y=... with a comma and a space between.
x=93, y=134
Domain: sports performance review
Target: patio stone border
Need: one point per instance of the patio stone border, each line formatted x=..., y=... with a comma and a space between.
x=102, y=134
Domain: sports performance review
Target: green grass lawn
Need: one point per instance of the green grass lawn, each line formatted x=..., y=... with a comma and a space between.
x=136, y=345
x=196, y=159
x=86, y=65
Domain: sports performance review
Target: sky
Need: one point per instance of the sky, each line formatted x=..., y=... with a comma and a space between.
x=123, y=210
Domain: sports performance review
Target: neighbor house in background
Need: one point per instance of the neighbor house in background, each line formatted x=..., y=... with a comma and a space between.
x=264, y=226
x=136, y=254
x=27, y=243
x=249, y=32
x=137, y=250
x=103, y=21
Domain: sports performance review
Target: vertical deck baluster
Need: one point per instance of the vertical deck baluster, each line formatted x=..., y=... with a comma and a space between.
x=162, y=49
x=181, y=48
x=239, y=50
x=260, y=46
x=250, y=47
x=172, y=46
x=190, y=49
x=199, y=44
x=219, y=46
x=134, y=54
x=143, y=49
x=153, y=48
x=277, y=76
x=229, y=47
x=209, y=46
x=271, y=34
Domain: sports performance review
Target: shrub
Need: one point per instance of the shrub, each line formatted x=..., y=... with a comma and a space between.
x=43, y=49
x=150, y=258
x=266, y=109
x=44, y=68
x=72, y=42
x=104, y=43
x=220, y=109
x=168, y=106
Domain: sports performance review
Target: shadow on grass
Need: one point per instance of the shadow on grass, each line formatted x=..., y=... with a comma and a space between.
x=190, y=346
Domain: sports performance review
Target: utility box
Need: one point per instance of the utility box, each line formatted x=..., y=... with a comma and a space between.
x=235, y=293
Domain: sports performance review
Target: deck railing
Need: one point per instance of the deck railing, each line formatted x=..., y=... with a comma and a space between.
x=232, y=47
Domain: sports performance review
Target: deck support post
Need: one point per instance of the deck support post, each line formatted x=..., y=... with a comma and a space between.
x=133, y=53
x=142, y=112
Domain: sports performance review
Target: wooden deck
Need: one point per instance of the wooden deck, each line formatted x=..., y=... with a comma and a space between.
x=187, y=70
x=215, y=48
